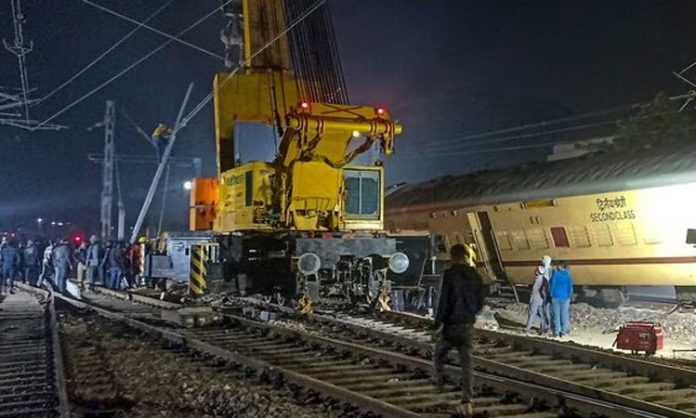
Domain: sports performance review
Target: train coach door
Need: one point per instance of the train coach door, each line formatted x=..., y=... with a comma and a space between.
x=487, y=247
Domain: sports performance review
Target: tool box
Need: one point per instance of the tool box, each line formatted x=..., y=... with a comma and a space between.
x=640, y=336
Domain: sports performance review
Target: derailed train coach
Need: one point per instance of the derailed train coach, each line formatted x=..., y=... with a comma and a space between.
x=621, y=220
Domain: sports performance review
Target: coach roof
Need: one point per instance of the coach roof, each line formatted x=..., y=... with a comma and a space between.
x=595, y=173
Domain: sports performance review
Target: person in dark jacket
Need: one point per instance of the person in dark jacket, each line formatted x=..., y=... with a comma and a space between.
x=80, y=260
x=21, y=265
x=32, y=263
x=47, y=272
x=9, y=257
x=115, y=262
x=94, y=260
x=61, y=262
x=462, y=296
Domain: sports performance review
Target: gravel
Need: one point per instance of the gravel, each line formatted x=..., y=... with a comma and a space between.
x=149, y=380
x=678, y=327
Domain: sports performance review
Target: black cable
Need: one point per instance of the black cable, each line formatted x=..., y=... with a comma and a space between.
x=315, y=57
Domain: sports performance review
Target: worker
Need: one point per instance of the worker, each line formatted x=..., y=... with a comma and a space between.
x=128, y=264
x=20, y=265
x=32, y=263
x=160, y=139
x=561, y=291
x=9, y=259
x=94, y=262
x=80, y=259
x=538, y=296
x=137, y=259
x=46, y=264
x=115, y=262
x=462, y=296
x=61, y=264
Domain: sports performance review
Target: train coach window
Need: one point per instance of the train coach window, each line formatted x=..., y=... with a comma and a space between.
x=519, y=240
x=625, y=234
x=560, y=238
x=537, y=238
x=504, y=244
x=602, y=235
x=579, y=236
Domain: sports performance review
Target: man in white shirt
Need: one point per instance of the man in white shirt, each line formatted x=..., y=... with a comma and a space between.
x=538, y=296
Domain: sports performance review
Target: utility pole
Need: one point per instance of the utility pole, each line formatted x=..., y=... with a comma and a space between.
x=107, y=197
x=121, y=229
x=160, y=168
x=20, y=49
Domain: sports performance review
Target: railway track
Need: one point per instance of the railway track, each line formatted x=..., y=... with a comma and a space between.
x=645, y=385
x=355, y=369
x=32, y=382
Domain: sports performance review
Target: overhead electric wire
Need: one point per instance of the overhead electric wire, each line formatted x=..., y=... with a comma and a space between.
x=105, y=53
x=426, y=155
x=137, y=128
x=498, y=149
x=155, y=30
x=475, y=152
x=543, y=133
x=541, y=124
x=130, y=67
x=523, y=136
x=210, y=95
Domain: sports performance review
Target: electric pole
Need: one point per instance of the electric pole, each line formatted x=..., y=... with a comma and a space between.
x=107, y=197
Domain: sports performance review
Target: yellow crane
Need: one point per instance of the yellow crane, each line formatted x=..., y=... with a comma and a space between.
x=308, y=221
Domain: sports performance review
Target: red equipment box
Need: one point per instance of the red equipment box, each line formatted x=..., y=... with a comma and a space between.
x=640, y=336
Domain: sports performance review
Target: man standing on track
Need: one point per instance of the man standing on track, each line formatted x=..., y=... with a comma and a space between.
x=9, y=255
x=538, y=296
x=561, y=292
x=61, y=263
x=46, y=264
x=32, y=263
x=462, y=296
x=94, y=261
x=80, y=258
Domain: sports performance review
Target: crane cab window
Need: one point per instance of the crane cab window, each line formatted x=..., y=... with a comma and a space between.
x=560, y=238
x=441, y=243
x=362, y=193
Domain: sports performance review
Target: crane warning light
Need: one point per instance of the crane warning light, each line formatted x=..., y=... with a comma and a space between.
x=380, y=111
x=304, y=105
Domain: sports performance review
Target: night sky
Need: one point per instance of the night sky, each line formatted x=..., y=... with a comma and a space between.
x=446, y=69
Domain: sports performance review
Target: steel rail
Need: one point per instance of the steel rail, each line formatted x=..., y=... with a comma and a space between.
x=553, y=354
x=209, y=341
x=538, y=372
x=32, y=377
x=529, y=384
x=292, y=377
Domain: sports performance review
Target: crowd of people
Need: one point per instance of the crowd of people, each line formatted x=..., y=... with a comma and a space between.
x=550, y=298
x=114, y=265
